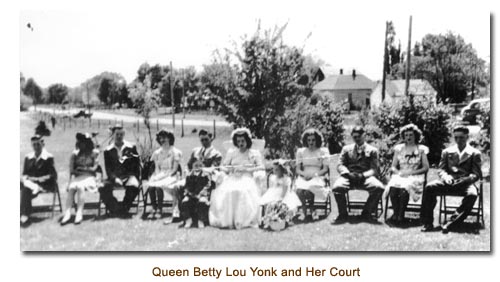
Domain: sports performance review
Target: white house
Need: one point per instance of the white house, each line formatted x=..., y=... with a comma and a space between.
x=395, y=91
x=351, y=89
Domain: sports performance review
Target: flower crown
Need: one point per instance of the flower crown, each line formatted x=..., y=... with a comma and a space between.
x=312, y=131
x=241, y=131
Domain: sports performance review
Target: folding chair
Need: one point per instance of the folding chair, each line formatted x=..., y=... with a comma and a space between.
x=56, y=202
x=414, y=207
x=359, y=204
x=445, y=208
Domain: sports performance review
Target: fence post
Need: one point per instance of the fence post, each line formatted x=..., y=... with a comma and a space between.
x=137, y=125
x=182, y=127
x=215, y=134
x=98, y=124
x=157, y=126
x=122, y=122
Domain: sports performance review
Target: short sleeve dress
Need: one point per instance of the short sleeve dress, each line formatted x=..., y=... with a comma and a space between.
x=414, y=184
x=164, y=161
x=312, y=162
x=83, y=180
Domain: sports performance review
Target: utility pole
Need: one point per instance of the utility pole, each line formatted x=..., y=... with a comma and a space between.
x=172, y=94
x=88, y=96
x=183, y=101
x=386, y=55
x=408, y=61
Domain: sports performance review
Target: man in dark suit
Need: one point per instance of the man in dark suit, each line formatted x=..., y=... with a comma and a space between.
x=123, y=168
x=459, y=169
x=39, y=174
x=358, y=168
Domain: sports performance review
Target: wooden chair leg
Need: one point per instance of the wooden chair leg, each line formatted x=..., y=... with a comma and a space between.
x=386, y=205
x=59, y=200
x=54, y=202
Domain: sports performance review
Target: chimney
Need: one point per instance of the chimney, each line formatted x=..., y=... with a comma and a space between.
x=341, y=71
x=353, y=74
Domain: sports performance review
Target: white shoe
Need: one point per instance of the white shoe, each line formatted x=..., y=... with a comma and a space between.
x=78, y=218
x=66, y=218
x=176, y=213
x=24, y=219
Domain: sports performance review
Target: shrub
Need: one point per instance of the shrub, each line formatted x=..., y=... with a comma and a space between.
x=433, y=119
x=484, y=137
x=25, y=103
x=324, y=116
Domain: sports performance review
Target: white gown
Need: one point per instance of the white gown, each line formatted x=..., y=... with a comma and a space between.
x=235, y=203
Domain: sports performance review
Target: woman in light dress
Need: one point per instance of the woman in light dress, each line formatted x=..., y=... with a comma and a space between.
x=312, y=166
x=409, y=167
x=167, y=161
x=235, y=203
x=83, y=166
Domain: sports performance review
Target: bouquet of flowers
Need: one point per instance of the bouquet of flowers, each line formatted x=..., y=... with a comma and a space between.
x=276, y=217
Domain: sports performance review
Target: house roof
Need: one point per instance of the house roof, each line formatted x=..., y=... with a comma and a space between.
x=345, y=82
x=417, y=87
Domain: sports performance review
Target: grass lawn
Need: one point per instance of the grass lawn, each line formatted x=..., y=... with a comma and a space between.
x=135, y=234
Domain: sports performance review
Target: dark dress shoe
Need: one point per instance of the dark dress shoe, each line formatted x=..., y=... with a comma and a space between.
x=427, y=228
x=445, y=229
x=340, y=219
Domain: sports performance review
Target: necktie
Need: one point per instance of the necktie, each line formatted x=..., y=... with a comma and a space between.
x=202, y=153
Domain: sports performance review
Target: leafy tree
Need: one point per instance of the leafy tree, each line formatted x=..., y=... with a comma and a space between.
x=22, y=83
x=266, y=83
x=393, y=54
x=92, y=86
x=108, y=91
x=145, y=101
x=32, y=90
x=449, y=63
x=56, y=93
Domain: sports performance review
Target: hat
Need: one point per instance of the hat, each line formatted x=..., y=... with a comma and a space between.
x=83, y=136
x=116, y=127
x=36, y=137
x=312, y=131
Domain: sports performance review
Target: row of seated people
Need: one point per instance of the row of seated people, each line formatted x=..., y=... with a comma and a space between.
x=239, y=196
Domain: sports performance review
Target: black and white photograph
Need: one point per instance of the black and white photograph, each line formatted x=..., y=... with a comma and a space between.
x=303, y=127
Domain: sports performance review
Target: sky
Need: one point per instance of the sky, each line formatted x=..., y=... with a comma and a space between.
x=73, y=44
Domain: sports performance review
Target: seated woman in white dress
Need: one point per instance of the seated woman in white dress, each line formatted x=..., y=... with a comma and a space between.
x=409, y=167
x=312, y=166
x=83, y=166
x=167, y=161
x=278, y=194
x=235, y=203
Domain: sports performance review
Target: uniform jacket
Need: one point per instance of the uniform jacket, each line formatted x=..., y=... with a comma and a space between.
x=469, y=165
x=352, y=161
